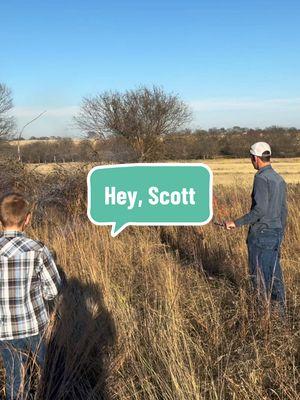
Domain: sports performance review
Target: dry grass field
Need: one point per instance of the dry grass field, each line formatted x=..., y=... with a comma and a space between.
x=25, y=142
x=166, y=313
x=240, y=171
x=226, y=171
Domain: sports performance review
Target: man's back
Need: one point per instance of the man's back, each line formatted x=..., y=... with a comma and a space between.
x=28, y=276
x=268, y=207
x=276, y=211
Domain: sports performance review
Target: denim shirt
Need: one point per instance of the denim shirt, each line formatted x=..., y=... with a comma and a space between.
x=268, y=209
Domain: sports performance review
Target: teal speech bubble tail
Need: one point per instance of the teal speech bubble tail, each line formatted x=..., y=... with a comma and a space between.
x=117, y=228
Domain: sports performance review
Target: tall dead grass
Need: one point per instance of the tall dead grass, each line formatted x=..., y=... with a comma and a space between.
x=166, y=313
x=179, y=320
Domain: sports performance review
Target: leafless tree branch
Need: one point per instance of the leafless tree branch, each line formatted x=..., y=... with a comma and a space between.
x=7, y=123
x=142, y=116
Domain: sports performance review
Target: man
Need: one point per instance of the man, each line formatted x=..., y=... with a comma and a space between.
x=267, y=220
x=28, y=277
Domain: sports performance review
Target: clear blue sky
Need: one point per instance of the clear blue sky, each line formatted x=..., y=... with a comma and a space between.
x=235, y=62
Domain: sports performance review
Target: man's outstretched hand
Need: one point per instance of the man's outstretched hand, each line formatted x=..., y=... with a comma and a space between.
x=230, y=225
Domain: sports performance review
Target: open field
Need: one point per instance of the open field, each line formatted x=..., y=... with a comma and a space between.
x=163, y=313
x=226, y=171
x=25, y=142
x=166, y=313
x=240, y=171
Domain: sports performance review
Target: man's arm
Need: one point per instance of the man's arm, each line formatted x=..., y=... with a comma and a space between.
x=284, y=211
x=50, y=279
x=260, y=195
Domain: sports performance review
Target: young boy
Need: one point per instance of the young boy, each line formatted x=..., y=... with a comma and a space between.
x=28, y=277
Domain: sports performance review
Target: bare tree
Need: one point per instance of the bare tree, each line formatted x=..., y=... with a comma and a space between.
x=7, y=123
x=142, y=116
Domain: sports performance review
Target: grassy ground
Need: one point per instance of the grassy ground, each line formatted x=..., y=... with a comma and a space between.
x=226, y=171
x=166, y=313
x=240, y=171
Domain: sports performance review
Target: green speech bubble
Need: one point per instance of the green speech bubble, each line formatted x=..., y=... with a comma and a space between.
x=149, y=194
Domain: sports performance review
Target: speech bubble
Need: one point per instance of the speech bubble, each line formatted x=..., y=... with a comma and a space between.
x=149, y=194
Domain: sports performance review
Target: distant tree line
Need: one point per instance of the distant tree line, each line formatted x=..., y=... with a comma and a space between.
x=183, y=145
x=45, y=138
x=145, y=124
x=234, y=142
x=149, y=121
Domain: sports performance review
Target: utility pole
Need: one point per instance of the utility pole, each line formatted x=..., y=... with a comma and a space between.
x=22, y=130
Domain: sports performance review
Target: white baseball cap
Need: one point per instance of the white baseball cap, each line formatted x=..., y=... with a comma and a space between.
x=257, y=149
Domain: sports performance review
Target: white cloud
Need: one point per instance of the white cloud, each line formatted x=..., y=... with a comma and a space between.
x=244, y=104
x=31, y=112
x=228, y=112
x=57, y=121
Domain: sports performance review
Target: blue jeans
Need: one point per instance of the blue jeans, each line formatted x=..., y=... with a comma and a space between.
x=264, y=265
x=15, y=354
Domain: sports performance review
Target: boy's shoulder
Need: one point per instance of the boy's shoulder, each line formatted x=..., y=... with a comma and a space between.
x=13, y=243
x=34, y=244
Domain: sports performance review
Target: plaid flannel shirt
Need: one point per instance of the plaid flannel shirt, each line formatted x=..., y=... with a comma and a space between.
x=28, y=276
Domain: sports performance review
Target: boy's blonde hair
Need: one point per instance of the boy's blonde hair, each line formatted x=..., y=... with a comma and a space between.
x=14, y=209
